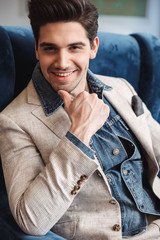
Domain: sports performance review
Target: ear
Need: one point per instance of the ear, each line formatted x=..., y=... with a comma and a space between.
x=36, y=49
x=94, y=48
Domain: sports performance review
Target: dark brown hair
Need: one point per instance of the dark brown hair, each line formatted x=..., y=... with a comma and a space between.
x=42, y=12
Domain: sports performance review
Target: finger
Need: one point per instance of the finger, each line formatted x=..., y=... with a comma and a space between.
x=66, y=98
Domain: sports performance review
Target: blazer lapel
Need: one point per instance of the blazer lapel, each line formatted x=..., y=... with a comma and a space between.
x=58, y=122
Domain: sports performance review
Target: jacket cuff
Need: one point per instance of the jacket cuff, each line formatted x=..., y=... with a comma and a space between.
x=86, y=150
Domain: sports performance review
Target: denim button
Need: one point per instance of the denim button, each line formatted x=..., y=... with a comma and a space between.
x=109, y=179
x=115, y=152
x=141, y=207
x=125, y=172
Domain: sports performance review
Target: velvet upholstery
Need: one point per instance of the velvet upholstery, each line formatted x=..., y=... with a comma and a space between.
x=118, y=56
x=149, y=79
x=134, y=57
x=6, y=69
x=24, y=55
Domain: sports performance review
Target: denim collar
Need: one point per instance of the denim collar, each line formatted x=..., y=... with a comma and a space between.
x=51, y=100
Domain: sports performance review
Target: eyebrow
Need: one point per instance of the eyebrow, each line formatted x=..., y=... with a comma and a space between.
x=47, y=44
x=77, y=43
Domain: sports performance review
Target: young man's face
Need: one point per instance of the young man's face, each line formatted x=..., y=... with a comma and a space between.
x=64, y=51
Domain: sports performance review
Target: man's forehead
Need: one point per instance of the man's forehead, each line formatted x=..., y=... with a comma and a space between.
x=72, y=30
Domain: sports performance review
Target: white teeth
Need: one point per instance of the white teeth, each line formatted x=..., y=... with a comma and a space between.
x=63, y=74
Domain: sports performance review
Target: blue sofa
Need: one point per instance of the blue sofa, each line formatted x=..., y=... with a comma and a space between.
x=134, y=57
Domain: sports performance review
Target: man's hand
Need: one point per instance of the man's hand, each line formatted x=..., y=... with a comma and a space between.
x=87, y=113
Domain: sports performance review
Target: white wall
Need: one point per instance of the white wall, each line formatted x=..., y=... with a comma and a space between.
x=14, y=12
x=126, y=25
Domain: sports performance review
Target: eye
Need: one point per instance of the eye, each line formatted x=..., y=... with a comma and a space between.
x=75, y=47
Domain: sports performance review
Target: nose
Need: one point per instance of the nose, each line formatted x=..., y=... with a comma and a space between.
x=62, y=60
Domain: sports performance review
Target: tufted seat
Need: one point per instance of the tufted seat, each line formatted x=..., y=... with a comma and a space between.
x=134, y=57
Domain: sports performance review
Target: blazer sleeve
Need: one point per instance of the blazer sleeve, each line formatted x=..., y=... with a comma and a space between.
x=39, y=194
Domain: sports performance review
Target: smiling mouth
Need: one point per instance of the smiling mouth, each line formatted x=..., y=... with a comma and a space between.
x=63, y=74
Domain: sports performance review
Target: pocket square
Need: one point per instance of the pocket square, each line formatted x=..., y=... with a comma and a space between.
x=137, y=105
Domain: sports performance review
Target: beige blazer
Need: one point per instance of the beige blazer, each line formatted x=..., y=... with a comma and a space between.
x=42, y=167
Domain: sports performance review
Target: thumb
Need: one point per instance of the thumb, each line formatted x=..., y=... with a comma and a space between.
x=66, y=98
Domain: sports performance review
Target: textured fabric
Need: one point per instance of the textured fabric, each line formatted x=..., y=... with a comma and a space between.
x=9, y=230
x=7, y=70
x=118, y=56
x=22, y=42
x=63, y=162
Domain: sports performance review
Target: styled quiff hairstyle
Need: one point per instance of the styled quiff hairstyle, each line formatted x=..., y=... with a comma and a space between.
x=42, y=12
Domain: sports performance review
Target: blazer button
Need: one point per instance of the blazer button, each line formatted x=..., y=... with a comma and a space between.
x=116, y=227
x=76, y=187
x=115, y=152
x=83, y=177
x=74, y=192
x=80, y=182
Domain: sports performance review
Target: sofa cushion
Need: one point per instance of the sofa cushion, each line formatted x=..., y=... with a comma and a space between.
x=7, y=69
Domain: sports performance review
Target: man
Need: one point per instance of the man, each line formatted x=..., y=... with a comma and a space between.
x=79, y=157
